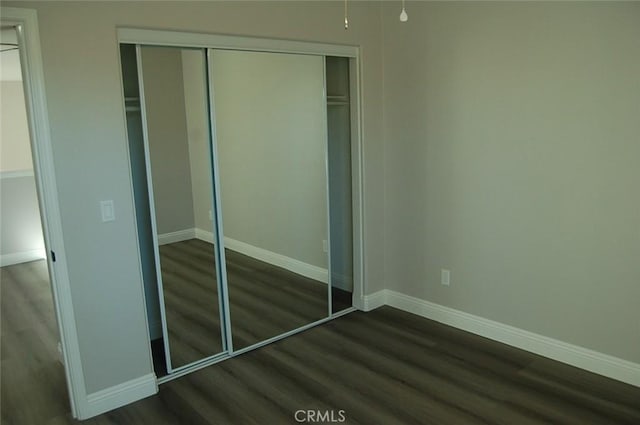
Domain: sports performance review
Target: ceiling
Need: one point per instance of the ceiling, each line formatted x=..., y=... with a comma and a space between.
x=10, y=60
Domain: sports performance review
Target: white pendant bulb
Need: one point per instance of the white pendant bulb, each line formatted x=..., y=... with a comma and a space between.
x=346, y=18
x=403, y=15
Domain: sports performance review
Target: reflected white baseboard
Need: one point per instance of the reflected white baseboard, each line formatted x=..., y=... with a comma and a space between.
x=307, y=270
x=291, y=264
x=204, y=235
x=179, y=236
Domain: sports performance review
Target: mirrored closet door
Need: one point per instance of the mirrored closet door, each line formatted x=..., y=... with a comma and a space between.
x=271, y=144
x=177, y=149
x=241, y=168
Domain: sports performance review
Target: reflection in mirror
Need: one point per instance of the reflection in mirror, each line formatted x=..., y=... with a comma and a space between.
x=339, y=163
x=179, y=164
x=271, y=145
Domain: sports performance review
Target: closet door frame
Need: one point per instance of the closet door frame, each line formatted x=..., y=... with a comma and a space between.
x=225, y=42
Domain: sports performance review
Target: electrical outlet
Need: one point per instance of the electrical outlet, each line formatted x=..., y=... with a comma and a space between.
x=210, y=216
x=445, y=277
x=325, y=246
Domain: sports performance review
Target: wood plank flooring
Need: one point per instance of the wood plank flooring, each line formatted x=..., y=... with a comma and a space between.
x=32, y=382
x=265, y=300
x=382, y=367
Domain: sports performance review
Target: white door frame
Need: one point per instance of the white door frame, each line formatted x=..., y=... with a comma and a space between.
x=26, y=23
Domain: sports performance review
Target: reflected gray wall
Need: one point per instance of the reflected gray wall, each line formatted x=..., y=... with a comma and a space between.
x=271, y=139
x=195, y=101
x=168, y=140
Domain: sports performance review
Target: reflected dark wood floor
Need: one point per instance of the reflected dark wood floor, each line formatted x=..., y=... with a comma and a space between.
x=191, y=300
x=265, y=300
x=382, y=367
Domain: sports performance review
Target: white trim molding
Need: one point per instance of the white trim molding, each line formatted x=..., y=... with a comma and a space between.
x=307, y=270
x=42, y=153
x=16, y=174
x=178, y=236
x=291, y=264
x=235, y=42
x=22, y=257
x=375, y=300
x=119, y=395
x=583, y=358
x=204, y=235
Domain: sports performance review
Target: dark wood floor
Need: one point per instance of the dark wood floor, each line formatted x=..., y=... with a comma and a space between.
x=382, y=367
x=32, y=382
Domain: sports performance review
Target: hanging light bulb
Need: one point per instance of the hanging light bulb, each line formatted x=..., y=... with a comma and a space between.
x=403, y=15
x=346, y=18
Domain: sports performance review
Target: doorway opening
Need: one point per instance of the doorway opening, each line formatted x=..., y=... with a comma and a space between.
x=31, y=353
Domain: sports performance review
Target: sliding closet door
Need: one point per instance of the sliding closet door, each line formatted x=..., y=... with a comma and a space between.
x=271, y=137
x=173, y=82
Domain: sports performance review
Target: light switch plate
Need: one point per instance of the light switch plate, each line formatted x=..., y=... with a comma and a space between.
x=445, y=277
x=107, y=211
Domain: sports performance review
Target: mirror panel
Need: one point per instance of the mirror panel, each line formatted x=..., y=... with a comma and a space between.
x=180, y=176
x=271, y=141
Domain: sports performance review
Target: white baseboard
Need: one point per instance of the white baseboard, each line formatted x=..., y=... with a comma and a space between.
x=583, y=358
x=21, y=257
x=179, y=236
x=204, y=235
x=375, y=300
x=291, y=264
x=119, y=395
x=16, y=174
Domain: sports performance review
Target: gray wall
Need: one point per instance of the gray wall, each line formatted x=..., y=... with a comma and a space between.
x=513, y=158
x=82, y=78
x=168, y=138
x=271, y=137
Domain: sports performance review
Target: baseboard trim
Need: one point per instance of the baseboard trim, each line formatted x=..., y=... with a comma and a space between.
x=119, y=395
x=375, y=300
x=291, y=264
x=204, y=235
x=178, y=236
x=21, y=257
x=583, y=358
x=16, y=174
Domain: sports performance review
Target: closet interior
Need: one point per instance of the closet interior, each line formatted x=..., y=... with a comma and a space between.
x=241, y=165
